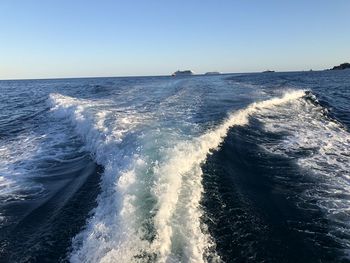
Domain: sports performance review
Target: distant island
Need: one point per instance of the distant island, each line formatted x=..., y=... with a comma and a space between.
x=183, y=73
x=341, y=66
x=212, y=73
x=268, y=71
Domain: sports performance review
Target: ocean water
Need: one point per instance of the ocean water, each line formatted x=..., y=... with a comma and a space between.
x=221, y=168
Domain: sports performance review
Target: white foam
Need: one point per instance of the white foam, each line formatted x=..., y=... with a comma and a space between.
x=19, y=160
x=167, y=170
x=183, y=167
x=11, y=172
x=111, y=233
x=306, y=128
x=30, y=155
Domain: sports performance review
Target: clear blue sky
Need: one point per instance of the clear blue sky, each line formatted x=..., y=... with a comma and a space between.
x=41, y=39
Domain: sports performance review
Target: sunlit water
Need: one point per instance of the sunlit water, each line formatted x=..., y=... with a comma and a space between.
x=225, y=168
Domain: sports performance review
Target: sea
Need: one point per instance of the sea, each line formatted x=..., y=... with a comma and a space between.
x=219, y=168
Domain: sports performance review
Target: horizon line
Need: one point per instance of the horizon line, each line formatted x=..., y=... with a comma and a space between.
x=142, y=76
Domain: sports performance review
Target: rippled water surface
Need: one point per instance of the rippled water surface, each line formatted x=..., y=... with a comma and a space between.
x=222, y=168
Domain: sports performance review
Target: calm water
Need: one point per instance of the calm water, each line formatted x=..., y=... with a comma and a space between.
x=225, y=168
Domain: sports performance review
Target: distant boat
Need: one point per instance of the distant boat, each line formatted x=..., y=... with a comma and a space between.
x=183, y=73
x=212, y=73
x=268, y=71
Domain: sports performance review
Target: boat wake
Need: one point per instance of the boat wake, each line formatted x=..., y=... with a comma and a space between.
x=149, y=206
x=319, y=145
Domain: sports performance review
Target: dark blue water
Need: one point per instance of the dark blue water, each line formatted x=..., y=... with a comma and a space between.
x=225, y=168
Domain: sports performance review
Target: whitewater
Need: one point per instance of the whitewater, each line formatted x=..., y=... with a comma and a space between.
x=167, y=191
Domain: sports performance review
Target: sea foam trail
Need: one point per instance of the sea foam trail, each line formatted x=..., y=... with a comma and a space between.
x=110, y=232
x=183, y=167
x=17, y=167
x=319, y=145
x=113, y=232
x=25, y=157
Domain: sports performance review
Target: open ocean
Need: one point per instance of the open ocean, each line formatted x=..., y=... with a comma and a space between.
x=221, y=168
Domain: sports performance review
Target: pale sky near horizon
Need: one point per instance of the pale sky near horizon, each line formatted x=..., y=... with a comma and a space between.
x=49, y=39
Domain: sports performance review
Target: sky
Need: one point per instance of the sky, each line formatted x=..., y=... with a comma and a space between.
x=75, y=38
